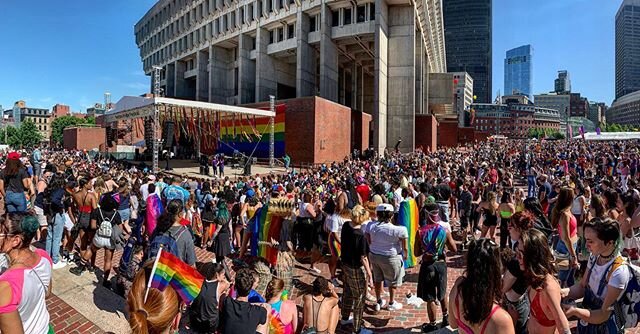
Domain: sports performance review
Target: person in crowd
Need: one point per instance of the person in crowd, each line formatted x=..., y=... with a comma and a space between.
x=239, y=315
x=506, y=209
x=304, y=231
x=567, y=228
x=514, y=285
x=490, y=209
x=284, y=313
x=320, y=310
x=155, y=312
x=465, y=210
x=175, y=191
x=431, y=240
x=26, y=284
x=222, y=234
x=601, y=287
x=333, y=227
x=170, y=225
x=56, y=224
x=204, y=314
x=125, y=276
x=475, y=297
x=387, y=252
x=628, y=206
x=39, y=204
x=207, y=209
x=15, y=184
x=536, y=261
x=124, y=207
x=611, y=203
x=85, y=202
x=356, y=270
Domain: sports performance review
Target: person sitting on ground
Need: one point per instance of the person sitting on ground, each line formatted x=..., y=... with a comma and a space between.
x=475, y=297
x=239, y=315
x=320, y=310
x=284, y=314
x=158, y=313
x=203, y=313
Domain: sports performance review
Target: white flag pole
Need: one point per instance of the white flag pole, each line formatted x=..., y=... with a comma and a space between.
x=153, y=271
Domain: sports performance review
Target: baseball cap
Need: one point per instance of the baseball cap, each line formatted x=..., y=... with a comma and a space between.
x=151, y=177
x=13, y=156
x=384, y=208
x=250, y=193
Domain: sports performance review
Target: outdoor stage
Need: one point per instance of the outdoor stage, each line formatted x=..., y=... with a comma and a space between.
x=191, y=168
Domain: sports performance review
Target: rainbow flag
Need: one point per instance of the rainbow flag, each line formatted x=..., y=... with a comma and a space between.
x=168, y=270
x=154, y=210
x=408, y=217
x=266, y=227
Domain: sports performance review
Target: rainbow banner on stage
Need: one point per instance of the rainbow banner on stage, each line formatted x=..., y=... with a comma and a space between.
x=266, y=228
x=408, y=217
x=168, y=270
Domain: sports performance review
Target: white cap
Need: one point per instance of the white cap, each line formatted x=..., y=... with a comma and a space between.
x=151, y=177
x=384, y=208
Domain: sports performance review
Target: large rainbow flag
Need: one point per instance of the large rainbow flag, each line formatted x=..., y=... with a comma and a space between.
x=267, y=226
x=168, y=270
x=408, y=217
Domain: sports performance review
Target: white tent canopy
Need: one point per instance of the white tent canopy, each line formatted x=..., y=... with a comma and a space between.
x=610, y=136
x=130, y=107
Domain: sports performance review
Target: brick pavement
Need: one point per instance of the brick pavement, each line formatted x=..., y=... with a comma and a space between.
x=66, y=319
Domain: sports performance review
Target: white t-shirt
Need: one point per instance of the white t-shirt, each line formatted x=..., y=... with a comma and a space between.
x=334, y=224
x=619, y=278
x=385, y=238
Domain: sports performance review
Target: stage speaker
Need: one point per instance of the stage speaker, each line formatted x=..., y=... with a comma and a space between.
x=110, y=136
x=167, y=134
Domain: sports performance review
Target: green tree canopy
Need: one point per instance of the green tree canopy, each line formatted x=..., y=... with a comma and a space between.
x=29, y=135
x=60, y=123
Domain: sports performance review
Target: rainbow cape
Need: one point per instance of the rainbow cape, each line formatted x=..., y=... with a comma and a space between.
x=408, y=217
x=168, y=270
x=266, y=226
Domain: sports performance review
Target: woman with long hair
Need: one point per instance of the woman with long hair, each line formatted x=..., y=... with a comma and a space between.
x=506, y=209
x=56, y=224
x=170, y=223
x=158, y=313
x=15, y=183
x=25, y=285
x=628, y=206
x=611, y=203
x=536, y=261
x=207, y=212
x=475, y=298
x=490, y=209
x=85, y=202
x=284, y=314
x=596, y=208
x=567, y=227
x=222, y=234
x=124, y=208
x=533, y=206
x=320, y=309
x=606, y=278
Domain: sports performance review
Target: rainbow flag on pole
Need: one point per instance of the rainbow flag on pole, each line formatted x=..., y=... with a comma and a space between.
x=168, y=270
x=408, y=217
x=267, y=226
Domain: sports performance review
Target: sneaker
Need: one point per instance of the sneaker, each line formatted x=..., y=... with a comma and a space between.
x=78, y=270
x=380, y=304
x=315, y=270
x=445, y=321
x=91, y=269
x=346, y=322
x=428, y=328
x=394, y=306
x=59, y=264
x=371, y=298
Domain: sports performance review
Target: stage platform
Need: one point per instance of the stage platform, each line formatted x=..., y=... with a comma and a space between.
x=192, y=169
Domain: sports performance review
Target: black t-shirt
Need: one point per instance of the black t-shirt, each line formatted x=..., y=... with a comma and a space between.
x=14, y=183
x=205, y=307
x=107, y=215
x=519, y=286
x=354, y=246
x=241, y=317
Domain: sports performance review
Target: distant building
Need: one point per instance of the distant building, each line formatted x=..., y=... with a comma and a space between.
x=518, y=71
x=627, y=48
x=468, y=41
x=514, y=120
x=597, y=112
x=562, y=84
x=97, y=109
x=463, y=96
x=576, y=122
x=625, y=110
x=578, y=105
x=60, y=110
x=41, y=117
x=559, y=102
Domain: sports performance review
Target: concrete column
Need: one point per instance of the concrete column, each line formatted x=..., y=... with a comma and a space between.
x=221, y=86
x=202, y=78
x=328, y=57
x=401, y=77
x=180, y=89
x=265, y=68
x=425, y=83
x=246, y=70
x=354, y=87
x=359, y=90
x=380, y=80
x=418, y=70
x=305, y=58
x=170, y=75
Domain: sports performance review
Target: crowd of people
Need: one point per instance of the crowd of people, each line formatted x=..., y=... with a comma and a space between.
x=539, y=224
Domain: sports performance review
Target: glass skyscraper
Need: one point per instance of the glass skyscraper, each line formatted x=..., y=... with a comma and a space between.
x=627, y=48
x=468, y=38
x=518, y=74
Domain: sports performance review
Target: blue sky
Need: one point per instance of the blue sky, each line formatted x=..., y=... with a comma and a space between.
x=72, y=51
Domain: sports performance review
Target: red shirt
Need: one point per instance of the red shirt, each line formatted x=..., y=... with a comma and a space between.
x=185, y=222
x=363, y=190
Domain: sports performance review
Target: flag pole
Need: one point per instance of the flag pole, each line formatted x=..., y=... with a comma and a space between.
x=153, y=271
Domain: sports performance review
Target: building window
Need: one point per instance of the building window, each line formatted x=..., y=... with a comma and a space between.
x=291, y=31
x=335, y=18
x=312, y=23
x=372, y=11
x=280, y=34
x=271, y=36
x=347, y=16
x=361, y=14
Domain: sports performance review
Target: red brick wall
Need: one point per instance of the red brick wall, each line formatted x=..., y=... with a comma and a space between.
x=83, y=138
x=448, y=133
x=426, y=132
x=360, y=130
x=466, y=135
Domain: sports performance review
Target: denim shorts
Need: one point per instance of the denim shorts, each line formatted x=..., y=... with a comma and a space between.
x=15, y=202
x=125, y=214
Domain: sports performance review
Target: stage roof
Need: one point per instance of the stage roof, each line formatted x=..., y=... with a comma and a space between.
x=130, y=107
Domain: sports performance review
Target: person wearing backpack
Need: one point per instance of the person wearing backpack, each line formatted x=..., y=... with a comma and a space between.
x=172, y=235
x=54, y=206
x=104, y=220
x=604, y=283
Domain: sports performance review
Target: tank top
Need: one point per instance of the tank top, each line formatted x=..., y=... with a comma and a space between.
x=205, y=307
x=573, y=227
x=276, y=325
x=466, y=329
x=576, y=207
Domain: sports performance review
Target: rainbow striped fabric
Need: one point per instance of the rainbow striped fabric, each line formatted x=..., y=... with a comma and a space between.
x=266, y=227
x=408, y=217
x=168, y=270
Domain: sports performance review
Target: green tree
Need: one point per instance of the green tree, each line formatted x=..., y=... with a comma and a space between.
x=29, y=135
x=60, y=123
x=90, y=120
x=557, y=135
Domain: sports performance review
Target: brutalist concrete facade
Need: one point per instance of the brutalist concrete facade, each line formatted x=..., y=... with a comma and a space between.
x=371, y=56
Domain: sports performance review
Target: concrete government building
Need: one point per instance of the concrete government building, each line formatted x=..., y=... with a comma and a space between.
x=373, y=56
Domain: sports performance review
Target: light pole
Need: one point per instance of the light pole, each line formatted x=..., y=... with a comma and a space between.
x=156, y=117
